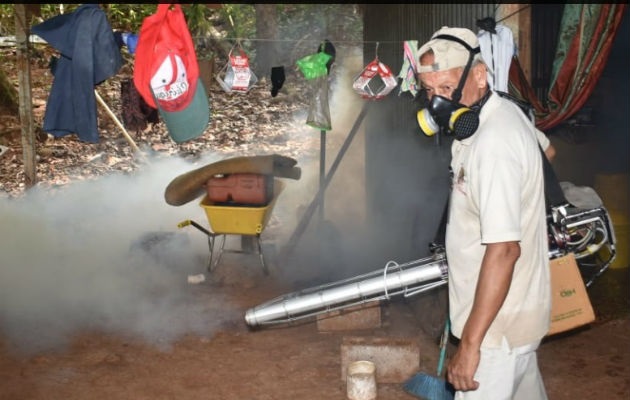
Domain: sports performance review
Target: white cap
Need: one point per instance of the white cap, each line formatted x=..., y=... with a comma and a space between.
x=449, y=53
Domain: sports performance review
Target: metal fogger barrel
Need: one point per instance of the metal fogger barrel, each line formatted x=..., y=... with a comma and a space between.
x=408, y=279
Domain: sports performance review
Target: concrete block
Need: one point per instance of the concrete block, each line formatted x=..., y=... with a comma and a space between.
x=359, y=317
x=396, y=359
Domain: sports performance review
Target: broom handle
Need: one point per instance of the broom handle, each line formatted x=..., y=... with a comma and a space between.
x=443, y=342
x=100, y=100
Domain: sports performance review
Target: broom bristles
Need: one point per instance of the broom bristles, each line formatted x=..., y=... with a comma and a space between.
x=429, y=387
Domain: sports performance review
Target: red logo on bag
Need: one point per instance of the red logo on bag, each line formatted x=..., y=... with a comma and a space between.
x=170, y=83
x=242, y=74
x=166, y=66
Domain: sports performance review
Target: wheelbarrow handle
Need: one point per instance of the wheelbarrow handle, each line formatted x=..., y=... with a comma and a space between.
x=196, y=225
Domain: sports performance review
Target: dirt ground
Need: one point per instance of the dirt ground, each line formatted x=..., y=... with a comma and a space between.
x=288, y=362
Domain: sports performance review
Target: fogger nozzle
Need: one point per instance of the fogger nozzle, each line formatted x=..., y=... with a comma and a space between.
x=376, y=285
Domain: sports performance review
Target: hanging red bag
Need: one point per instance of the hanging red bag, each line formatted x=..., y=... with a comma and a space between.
x=166, y=73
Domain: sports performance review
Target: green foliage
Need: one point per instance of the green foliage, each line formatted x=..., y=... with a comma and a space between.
x=301, y=27
x=200, y=19
x=239, y=20
x=127, y=17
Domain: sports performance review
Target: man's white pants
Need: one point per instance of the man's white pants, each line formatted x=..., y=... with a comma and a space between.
x=507, y=374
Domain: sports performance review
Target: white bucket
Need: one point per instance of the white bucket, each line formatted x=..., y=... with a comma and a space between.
x=361, y=381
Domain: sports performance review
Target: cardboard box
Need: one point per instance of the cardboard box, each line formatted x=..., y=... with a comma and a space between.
x=570, y=304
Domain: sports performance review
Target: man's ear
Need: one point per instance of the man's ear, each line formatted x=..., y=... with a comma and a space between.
x=480, y=73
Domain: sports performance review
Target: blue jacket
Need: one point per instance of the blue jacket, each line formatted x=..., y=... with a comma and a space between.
x=89, y=55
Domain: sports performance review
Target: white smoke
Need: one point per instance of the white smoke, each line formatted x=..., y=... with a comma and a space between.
x=106, y=255
x=103, y=255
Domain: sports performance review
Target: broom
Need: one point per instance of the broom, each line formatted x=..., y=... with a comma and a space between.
x=432, y=387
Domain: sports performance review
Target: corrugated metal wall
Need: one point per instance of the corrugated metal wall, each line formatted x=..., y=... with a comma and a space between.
x=391, y=24
x=406, y=172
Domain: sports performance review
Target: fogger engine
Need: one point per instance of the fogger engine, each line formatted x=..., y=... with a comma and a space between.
x=587, y=233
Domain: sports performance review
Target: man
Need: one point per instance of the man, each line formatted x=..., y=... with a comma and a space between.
x=496, y=237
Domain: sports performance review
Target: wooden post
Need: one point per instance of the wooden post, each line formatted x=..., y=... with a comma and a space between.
x=525, y=42
x=517, y=17
x=22, y=33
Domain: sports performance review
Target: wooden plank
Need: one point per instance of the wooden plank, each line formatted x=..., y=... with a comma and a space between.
x=524, y=42
x=517, y=17
x=24, y=94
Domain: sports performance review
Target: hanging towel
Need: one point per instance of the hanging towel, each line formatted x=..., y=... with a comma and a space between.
x=497, y=50
x=409, y=69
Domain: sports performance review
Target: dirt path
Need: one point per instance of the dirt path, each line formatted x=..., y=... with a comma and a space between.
x=235, y=362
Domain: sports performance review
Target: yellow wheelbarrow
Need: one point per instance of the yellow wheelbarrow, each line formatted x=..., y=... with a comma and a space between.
x=246, y=221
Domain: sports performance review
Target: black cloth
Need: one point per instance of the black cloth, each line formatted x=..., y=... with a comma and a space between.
x=554, y=195
x=277, y=80
x=89, y=55
x=328, y=48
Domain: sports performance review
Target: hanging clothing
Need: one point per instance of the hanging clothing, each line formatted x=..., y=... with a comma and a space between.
x=497, y=51
x=89, y=55
x=409, y=69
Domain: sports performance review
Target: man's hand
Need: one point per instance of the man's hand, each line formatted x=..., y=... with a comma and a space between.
x=462, y=368
x=493, y=285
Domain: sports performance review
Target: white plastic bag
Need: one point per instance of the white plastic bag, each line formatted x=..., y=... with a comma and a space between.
x=236, y=76
x=375, y=81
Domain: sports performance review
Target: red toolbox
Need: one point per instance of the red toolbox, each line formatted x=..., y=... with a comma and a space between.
x=240, y=189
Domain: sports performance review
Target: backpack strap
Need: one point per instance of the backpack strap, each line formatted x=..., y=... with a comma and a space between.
x=554, y=195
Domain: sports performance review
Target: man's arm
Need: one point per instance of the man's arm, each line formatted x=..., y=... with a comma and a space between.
x=493, y=285
x=546, y=145
x=550, y=152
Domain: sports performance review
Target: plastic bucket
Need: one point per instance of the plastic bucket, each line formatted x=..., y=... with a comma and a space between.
x=361, y=381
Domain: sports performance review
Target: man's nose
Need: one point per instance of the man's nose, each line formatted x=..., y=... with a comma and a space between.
x=444, y=93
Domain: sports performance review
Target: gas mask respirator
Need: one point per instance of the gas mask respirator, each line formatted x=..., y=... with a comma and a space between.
x=448, y=115
x=453, y=118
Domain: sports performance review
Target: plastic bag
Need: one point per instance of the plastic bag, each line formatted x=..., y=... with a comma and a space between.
x=314, y=65
x=375, y=81
x=319, y=111
x=237, y=76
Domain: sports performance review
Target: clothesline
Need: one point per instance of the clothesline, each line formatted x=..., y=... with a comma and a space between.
x=497, y=47
x=241, y=40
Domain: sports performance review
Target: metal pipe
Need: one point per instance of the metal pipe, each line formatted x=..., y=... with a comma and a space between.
x=368, y=287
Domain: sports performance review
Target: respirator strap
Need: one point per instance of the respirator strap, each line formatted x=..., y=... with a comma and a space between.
x=457, y=94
